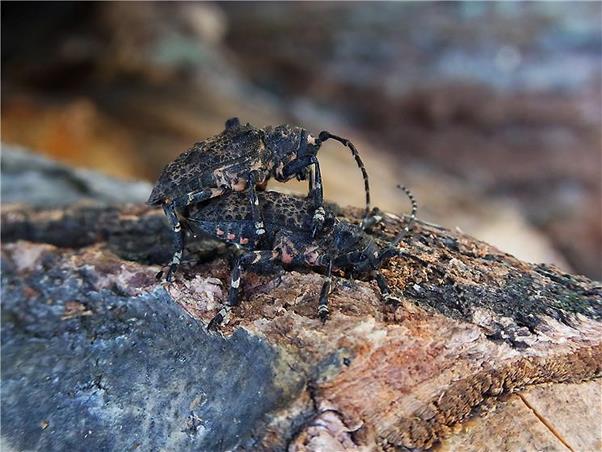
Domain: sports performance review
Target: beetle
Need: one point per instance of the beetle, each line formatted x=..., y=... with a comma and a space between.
x=243, y=157
x=289, y=240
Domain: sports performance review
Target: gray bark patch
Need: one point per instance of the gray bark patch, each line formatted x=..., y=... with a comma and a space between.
x=125, y=373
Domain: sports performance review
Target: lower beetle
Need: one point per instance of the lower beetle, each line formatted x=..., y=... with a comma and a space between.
x=243, y=157
x=289, y=240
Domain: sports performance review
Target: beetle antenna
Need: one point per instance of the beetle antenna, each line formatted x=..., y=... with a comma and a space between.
x=405, y=230
x=345, y=142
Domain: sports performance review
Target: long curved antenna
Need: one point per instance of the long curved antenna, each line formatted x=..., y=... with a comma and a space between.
x=405, y=230
x=324, y=135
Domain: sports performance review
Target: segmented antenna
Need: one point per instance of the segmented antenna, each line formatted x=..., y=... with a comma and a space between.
x=405, y=230
x=345, y=142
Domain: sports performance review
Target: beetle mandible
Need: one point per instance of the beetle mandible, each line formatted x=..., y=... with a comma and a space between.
x=289, y=240
x=243, y=157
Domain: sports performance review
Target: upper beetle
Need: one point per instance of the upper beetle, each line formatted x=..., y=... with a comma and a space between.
x=243, y=157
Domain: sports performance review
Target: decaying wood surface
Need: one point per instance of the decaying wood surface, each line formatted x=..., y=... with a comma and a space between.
x=94, y=346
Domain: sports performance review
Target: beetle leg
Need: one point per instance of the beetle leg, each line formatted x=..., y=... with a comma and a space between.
x=243, y=262
x=234, y=282
x=323, y=311
x=384, y=289
x=176, y=226
x=174, y=223
x=317, y=195
x=254, y=202
x=315, y=188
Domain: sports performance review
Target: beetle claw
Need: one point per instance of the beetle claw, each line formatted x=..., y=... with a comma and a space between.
x=218, y=319
x=215, y=322
x=392, y=300
x=323, y=316
x=166, y=276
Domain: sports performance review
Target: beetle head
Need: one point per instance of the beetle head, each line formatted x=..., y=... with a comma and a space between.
x=355, y=250
x=290, y=142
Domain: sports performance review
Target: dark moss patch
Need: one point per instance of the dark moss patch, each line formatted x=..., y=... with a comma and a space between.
x=522, y=297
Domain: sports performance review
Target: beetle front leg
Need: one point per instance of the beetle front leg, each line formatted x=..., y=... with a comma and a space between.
x=242, y=263
x=315, y=188
x=384, y=289
x=317, y=195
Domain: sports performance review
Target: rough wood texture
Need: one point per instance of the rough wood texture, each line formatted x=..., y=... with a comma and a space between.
x=97, y=354
x=554, y=417
x=510, y=426
x=572, y=412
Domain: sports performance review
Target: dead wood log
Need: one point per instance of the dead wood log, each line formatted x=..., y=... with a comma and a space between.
x=97, y=355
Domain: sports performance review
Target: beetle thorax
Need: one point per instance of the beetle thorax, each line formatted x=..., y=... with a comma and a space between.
x=284, y=143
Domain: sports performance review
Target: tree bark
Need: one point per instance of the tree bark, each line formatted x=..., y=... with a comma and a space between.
x=96, y=354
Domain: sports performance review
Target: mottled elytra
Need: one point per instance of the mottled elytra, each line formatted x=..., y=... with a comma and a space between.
x=240, y=158
x=289, y=240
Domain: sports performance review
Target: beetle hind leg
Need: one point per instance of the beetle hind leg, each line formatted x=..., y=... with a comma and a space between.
x=174, y=222
x=242, y=262
x=176, y=226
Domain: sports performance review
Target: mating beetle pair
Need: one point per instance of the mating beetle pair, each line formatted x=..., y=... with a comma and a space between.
x=243, y=157
x=289, y=240
x=202, y=188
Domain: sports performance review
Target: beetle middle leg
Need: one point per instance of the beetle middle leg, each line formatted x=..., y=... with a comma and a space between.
x=241, y=263
x=323, y=310
x=254, y=202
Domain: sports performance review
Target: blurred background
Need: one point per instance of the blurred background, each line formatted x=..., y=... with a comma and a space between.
x=490, y=112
